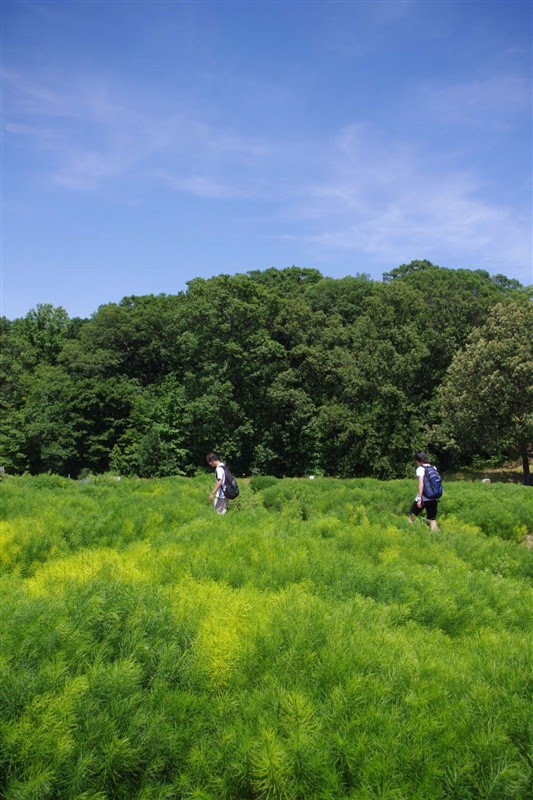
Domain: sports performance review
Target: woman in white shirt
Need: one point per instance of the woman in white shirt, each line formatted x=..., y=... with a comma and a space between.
x=420, y=502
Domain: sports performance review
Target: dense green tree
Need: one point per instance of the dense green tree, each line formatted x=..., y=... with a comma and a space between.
x=53, y=430
x=372, y=403
x=42, y=333
x=290, y=280
x=154, y=442
x=136, y=338
x=283, y=371
x=31, y=341
x=345, y=297
x=405, y=270
x=452, y=302
x=29, y=344
x=68, y=423
x=486, y=400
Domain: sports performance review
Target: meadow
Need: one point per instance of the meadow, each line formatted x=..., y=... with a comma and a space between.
x=310, y=645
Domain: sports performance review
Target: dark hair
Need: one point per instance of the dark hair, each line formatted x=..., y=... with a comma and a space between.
x=211, y=457
x=421, y=456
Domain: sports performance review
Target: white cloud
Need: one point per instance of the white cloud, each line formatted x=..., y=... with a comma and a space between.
x=201, y=186
x=492, y=102
x=389, y=201
x=389, y=11
x=359, y=192
x=89, y=133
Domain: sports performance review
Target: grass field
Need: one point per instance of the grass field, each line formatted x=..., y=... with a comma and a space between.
x=310, y=644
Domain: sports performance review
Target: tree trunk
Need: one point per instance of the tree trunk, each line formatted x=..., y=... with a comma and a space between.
x=525, y=466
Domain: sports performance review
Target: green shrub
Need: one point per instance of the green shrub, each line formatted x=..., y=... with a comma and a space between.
x=316, y=646
x=260, y=482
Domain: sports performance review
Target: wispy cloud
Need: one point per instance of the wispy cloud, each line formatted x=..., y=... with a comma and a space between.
x=90, y=132
x=492, y=102
x=387, y=11
x=360, y=191
x=389, y=201
x=201, y=186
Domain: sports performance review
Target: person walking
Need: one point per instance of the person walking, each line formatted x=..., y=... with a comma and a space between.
x=428, y=494
x=220, y=501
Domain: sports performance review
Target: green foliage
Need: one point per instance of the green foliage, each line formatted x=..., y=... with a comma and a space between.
x=486, y=401
x=283, y=371
x=259, y=482
x=308, y=644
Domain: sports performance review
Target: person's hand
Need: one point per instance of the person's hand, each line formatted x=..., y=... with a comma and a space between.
x=211, y=496
x=419, y=504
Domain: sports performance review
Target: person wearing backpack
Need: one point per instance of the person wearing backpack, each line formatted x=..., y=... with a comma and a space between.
x=226, y=486
x=429, y=490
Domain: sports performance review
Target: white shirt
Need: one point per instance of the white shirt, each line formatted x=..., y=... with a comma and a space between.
x=219, y=473
x=420, y=472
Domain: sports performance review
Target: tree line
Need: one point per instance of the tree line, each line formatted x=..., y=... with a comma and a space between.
x=284, y=372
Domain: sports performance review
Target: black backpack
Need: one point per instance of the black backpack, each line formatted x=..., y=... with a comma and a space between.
x=229, y=485
x=432, y=483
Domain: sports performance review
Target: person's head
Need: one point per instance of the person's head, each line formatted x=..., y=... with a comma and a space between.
x=211, y=458
x=421, y=457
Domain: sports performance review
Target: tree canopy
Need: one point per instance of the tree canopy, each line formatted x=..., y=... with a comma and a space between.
x=486, y=400
x=283, y=371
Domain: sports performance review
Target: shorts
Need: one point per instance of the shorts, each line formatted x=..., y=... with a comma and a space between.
x=220, y=504
x=429, y=505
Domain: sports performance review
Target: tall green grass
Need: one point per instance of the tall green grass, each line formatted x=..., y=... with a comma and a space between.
x=309, y=644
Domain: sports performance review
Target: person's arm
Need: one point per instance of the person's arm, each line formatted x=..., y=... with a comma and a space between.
x=420, y=491
x=215, y=490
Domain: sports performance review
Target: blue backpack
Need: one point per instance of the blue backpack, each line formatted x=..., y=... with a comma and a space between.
x=432, y=483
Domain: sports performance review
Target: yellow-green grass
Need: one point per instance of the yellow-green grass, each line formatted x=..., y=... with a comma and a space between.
x=309, y=644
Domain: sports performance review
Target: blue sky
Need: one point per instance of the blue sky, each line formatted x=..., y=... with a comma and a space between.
x=148, y=143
